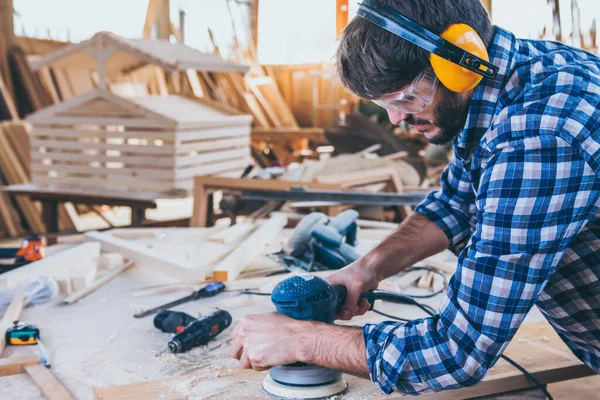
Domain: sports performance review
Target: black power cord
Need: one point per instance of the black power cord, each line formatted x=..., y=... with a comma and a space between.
x=429, y=311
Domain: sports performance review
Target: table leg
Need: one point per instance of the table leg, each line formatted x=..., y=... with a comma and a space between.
x=138, y=215
x=50, y=217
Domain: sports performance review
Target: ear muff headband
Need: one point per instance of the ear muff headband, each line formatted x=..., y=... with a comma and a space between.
x=396, y=23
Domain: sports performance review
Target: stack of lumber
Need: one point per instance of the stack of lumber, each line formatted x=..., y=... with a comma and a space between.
x=19, y=214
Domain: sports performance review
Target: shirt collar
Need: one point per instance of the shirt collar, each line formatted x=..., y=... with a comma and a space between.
x=502, y=52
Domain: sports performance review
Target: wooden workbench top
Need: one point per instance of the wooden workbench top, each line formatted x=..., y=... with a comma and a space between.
x=98, y=350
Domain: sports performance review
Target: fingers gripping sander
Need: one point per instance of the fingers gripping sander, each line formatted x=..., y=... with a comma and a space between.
x=309, y=298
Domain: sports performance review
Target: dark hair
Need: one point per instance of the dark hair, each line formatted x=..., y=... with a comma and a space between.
x=372, y=61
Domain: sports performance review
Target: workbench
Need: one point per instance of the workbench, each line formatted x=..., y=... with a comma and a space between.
x=52, y=196
x=98, y=350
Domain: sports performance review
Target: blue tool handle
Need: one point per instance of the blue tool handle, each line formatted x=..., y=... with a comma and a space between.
x=210, y=290
x=342, y=292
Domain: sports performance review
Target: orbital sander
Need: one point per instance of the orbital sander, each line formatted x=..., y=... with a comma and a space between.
x=309, y=298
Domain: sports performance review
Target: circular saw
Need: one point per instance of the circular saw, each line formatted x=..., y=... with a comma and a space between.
x=320, y=243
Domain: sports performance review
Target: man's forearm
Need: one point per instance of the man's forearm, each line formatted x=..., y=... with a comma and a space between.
x=332, y=346
x=415, y=239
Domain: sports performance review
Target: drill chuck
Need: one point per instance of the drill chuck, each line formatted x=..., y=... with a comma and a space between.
x=200, y=331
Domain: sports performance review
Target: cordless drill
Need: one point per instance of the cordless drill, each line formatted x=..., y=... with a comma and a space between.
x=172, y=321
x=200, y=331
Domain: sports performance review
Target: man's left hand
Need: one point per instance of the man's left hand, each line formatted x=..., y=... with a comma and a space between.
x=261, y=341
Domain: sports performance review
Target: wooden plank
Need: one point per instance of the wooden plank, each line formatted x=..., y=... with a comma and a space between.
x=230, y=268
x=357, y=178
x=313, y=134
x=260, y=184
x=259, y=116
x=80, y=170
x=50, y=387
x=264, y=103
x=170, y=265
x=157, y=161
x=233, y=233
x=14, y=174
x=74, y=297
x=11, y=366
x=80, y=145
x=46, y=78
x=6, y=216
x=341, y=16
x=51, y=265
x=213, y=145
x=210, y=169
x=425, y=281
x=164, y=135
x=7, y=100
x=122, y=183
x=12, y=314
x=206, y=158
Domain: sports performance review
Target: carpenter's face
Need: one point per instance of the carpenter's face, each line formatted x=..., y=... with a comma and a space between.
x=442, y=120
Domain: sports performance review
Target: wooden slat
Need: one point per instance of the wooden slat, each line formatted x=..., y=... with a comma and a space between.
x=6, y=216
x=7, y=100
x=233, y=233
x=74, y=297
x=174, y=267
x=50, y=387
x=12, y=314
x=81, y=145
x=14, y=174
x=230, y=268
x=157, y=161
x=101, y=134
x=12, y=366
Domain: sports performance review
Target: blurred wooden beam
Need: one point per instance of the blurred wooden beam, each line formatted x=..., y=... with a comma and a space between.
x=254, y=23
x=151, y=16
x=488, y=5
x=163, y=24
x=341, y=16
x=7, y=28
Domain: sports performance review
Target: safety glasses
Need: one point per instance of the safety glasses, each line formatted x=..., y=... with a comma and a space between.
x=413, y=99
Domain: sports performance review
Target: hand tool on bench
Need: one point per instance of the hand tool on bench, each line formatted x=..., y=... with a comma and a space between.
x=320, y=243
x=21, y=334
x=32, y=249
x=172, y=321
x=210, y=290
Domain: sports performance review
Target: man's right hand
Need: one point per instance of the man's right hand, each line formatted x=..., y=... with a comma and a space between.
x=357, y=278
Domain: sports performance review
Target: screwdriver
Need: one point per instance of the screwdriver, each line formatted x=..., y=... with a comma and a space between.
x=210, y=290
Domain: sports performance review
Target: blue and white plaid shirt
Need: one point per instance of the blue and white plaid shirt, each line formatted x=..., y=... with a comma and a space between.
x=519, y=204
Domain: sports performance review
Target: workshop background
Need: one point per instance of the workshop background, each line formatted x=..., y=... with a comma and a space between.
x=168, y=134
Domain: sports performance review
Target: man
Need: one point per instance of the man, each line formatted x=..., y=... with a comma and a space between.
x=518, y=204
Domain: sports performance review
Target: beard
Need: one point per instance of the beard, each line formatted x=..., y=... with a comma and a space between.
x=449, y=117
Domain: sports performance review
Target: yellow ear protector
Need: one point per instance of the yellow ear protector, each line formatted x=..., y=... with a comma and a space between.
x=459, y=57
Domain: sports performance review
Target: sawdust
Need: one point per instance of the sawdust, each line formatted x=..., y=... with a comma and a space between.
x=188, y=388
